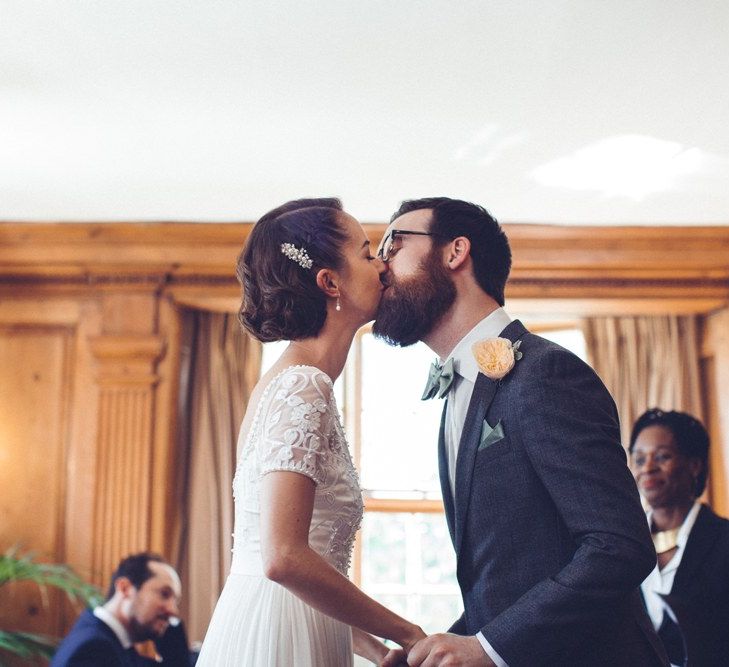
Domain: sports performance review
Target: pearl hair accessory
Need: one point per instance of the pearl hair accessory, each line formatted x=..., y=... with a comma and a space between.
x=298, y=255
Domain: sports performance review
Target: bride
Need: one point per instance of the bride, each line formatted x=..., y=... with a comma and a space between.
x=309, y=277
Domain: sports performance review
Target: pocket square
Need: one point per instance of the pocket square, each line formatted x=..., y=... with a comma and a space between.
x=490, y=435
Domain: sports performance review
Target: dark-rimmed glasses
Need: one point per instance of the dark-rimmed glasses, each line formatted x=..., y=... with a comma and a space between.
x=388, y=250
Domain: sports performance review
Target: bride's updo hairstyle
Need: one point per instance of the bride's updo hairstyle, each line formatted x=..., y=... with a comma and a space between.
x=281, y=300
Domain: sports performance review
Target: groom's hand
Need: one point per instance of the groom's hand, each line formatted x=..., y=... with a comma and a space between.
x=448, y=649
x=394, y=658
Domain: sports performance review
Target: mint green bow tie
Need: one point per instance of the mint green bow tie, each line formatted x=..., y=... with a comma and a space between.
x=440, y=380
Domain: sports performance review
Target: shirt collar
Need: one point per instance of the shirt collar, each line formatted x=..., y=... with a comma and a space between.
x=464, y=363
x=683, y=534
x=688, y=524
x=105, y=616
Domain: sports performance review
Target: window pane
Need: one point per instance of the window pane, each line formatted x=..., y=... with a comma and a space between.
x=270, y=353
x=438, y=558
x=399, y=431
x=438, y=612
x=572, y=339
x=408, y=564
x=384, y=550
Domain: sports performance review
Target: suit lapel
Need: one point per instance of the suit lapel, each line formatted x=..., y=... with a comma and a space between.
x=483, y=394
x=701, y=539
x=514, y=331
x=445, y=483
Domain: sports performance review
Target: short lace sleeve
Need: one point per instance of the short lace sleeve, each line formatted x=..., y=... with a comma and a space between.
x=296, y=425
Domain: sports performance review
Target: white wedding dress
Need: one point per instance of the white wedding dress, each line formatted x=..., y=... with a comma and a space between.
x=258, y=622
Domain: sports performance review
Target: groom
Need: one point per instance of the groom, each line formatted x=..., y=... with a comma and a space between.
x=550, y=538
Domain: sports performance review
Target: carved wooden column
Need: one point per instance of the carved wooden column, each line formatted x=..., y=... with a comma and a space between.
x=716, y=401
x=127, y=381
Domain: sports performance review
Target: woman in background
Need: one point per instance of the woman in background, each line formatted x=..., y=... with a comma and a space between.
x=308, y=277
x=687, y=595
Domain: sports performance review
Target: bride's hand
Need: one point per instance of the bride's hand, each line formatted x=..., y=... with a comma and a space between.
x=395, y=658
x=414, y=635
x=398, y=656
x=367, y=646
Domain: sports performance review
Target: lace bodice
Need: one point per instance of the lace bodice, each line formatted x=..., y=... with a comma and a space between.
x=296, y=427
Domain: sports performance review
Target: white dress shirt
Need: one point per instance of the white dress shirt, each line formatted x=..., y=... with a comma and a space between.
x=661, y=581
x=119, y=630
x=459, y=396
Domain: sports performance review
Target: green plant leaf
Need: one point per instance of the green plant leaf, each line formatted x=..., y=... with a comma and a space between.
x=27, y=644
x=17, y=566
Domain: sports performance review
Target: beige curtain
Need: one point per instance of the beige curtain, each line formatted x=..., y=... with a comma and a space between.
x=220, y=367
x=646, y=362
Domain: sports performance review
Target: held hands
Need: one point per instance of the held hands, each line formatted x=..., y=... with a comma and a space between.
x=441, y=650
x=398, y=656
x=395, y=658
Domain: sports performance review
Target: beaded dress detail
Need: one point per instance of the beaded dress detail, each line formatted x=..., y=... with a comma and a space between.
x=296, y=427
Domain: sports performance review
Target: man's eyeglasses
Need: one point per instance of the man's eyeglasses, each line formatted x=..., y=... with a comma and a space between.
x=389, y=247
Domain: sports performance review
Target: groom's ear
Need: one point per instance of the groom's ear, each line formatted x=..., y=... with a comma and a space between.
x=328, y=282
x=458, y=251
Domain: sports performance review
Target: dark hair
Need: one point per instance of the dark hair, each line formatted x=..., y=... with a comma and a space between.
x=691, y=437
x=281, y=300
x=136, y=569
x=489, y=246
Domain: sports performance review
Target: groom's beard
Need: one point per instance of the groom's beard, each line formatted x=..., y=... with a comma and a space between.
x=412, y=306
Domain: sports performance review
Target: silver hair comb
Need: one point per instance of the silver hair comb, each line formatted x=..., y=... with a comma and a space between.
x=298, y=255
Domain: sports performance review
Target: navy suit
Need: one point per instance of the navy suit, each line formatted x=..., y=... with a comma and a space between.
x=550, y=537
x=92, y=643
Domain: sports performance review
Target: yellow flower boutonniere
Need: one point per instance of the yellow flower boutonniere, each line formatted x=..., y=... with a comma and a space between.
x=496, y=356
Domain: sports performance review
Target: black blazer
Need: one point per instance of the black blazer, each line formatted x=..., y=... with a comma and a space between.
x=700, y=592
x=92, y=643
x=550, y=537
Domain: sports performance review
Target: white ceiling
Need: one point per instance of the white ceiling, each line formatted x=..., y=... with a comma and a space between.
x=585, y=111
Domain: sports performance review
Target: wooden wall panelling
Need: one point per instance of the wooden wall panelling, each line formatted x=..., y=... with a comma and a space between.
x=36, y=364
x=81, y=462
x=127, y=379
x=206, y=253
x=165, y=511
x=118, y=447
x=715, y=365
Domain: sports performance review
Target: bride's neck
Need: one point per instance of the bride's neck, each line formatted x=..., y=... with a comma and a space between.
x=328, y=352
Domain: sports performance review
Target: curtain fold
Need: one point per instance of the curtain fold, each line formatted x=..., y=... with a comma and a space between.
x=220, y=366
x=647, y=362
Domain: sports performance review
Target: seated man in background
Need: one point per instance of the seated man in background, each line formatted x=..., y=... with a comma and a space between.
x=142, y=604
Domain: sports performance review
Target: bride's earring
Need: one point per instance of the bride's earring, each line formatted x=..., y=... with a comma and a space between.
x=338, y=307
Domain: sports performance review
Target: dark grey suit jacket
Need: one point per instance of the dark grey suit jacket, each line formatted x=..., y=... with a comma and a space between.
x=550, y=537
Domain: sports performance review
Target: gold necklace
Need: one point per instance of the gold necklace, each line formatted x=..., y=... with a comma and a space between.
x=665, y=540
